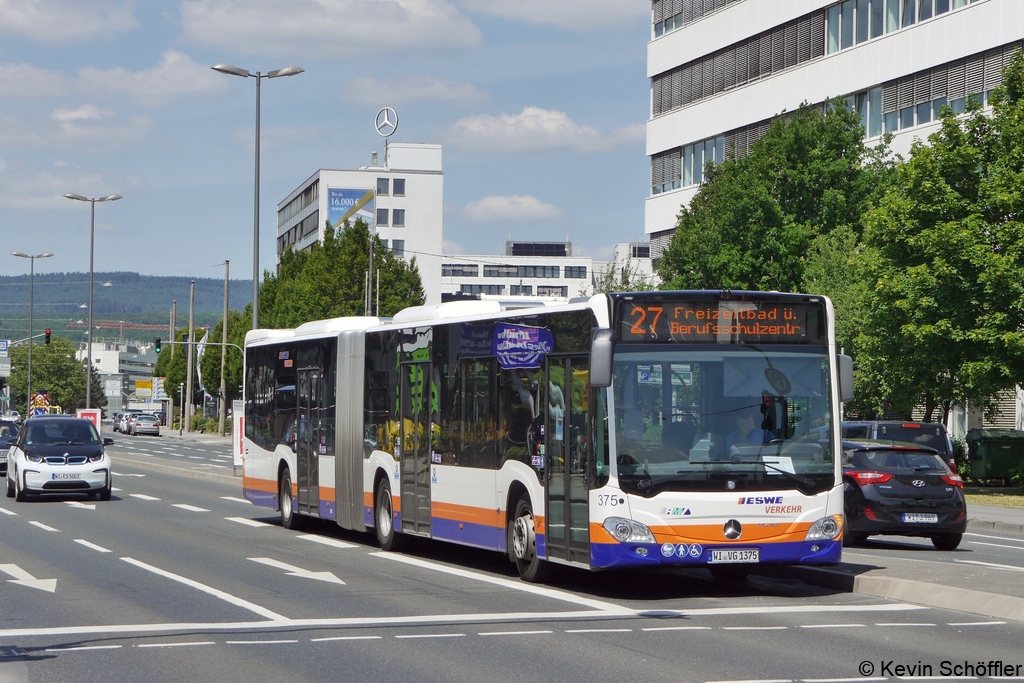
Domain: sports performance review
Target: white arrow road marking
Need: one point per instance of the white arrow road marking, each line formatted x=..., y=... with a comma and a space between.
x=142, y=496
x=43, y=526
x=334, y=543
x=247, y=522
x=23, y=578
x=297, y=571
x=190, y=508
x=84, y=506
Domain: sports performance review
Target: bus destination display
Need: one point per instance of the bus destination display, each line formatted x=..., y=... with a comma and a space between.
x=722, y=322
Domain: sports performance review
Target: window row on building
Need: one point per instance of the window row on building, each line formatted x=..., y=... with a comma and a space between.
x=769, y=52
x=670, y=15
x=515, y=290
x=299, y=231
x=507, y=270
x=856, y=21
x=300, y=202
x=684, y=166
x=386, y=185
x=397, y=218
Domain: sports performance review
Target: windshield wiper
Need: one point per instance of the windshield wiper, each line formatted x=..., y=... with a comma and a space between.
x=804, y=482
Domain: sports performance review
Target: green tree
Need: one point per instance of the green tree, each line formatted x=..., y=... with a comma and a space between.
x=629, y=278
x=238, y=325
x=330, y=280
x=753, y=221
x=176, y=369
x=54, y=370
x=945, y=263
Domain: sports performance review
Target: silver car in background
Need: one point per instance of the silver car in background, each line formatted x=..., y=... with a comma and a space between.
x=145, y=424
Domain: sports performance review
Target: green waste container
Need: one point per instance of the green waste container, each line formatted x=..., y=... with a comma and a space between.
x=995, y=453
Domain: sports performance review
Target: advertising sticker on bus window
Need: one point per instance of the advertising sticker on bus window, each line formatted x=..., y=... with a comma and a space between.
x=519, y=346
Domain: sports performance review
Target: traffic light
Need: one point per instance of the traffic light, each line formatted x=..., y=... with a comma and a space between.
x=157, y=345
x=46, y=337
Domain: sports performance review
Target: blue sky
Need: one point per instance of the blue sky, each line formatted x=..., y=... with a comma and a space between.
x=540, y=105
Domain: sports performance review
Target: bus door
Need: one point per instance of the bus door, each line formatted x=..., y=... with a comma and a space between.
x=568, y=446
x=307, y=441
x=415, y=459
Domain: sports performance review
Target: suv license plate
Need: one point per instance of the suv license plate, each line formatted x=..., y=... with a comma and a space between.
x=748, y=555
x=920, y=518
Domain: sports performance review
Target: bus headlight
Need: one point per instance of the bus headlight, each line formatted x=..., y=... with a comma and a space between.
x=627, y=531
x=825, y=529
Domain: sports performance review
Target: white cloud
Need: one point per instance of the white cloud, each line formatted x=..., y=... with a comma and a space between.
x=577, y=15
x=373, y=93
x=87, y=112
x=535, y=129
x=175, y=76
x=64, y=21
x=42, y=187
x=326, y=28
x=449, y=247
x=517, y=208
x=26, y=80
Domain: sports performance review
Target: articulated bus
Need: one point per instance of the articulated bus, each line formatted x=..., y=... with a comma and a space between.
x=685, y=429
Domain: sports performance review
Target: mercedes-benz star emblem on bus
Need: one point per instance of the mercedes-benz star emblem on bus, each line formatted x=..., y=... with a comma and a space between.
x=732, y=529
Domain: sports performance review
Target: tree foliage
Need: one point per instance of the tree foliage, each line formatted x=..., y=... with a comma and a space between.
x=330, y=280
x=176, y=369
x=55, y=370
x=753, y=221
x=628, y=278
x=945, y=263
x=238, y=325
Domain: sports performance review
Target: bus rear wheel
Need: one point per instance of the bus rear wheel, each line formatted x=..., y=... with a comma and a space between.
x=384, y=520
x=289, y=518
x=522, y=541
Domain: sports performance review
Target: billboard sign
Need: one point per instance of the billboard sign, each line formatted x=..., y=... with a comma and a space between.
x=92, y=414
x=347, y=204
x=143, y=388
x=112, y=388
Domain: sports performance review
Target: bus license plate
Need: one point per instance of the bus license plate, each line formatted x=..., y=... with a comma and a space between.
x=749, y=555
x=920, y=517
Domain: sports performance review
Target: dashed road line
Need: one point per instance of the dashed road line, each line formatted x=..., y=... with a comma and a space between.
x=236, y=500
x=903, y=624
x=333, y=638
x=205, y=642
x=754, y=628
x=1008, y=567
x=323, y=540
x=677, y=628
x=190, y=508
x=831, y=625
x=600, y=630
x=143, y=496
x=975, y=623
x=432, y=635
x=8, y=512
x=82, y=647
x=259, y=642
x=997, y=545
x=515, y=633
x=93, y=546
x=247, y=522
x=43, y=526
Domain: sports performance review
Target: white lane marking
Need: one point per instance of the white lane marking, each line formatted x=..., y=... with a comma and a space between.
x=842, y=680
x=82, y=647
x=205, y=642
x=1008, y=567
x=247, y=522
x=600, y=630
x=768, y=680
x=326, y=640
x=258, y=642
x=975, y=623
x=143, y=496
x=903, y=624
x=127, y=474
x=831, y=625
x=114, y=488
x=677, y=628
x=514, y=633
x=43, y=526
x=434, y=635
x=87, y=544
x=8, y=512
x=433, y=620
x=514, y=585
x=996, y=545
x=334, y=543
x=937, y=678
x=77, y=504
x=298, y=571
x=196, y=457
x=236, y=500
x=754, y=628
x=190, y=508
x=997, y=538
x=227, y=597
x=23, y=578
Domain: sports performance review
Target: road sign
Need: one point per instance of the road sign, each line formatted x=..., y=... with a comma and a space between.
x=4, y=344
x=143, y=388
x=5, y=367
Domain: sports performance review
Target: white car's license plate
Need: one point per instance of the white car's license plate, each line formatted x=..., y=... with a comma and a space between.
x=64, y=475
x=749, y=555
x=920, y=517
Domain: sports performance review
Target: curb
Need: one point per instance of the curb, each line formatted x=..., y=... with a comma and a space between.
x=1000, y=526
x=178, y=471
x=981, y=603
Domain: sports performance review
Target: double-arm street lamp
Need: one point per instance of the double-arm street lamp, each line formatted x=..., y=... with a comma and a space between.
x=276, y=73
x=31, y=284
x=92, y=240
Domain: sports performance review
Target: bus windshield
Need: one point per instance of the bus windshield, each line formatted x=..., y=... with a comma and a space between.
x=722, y=417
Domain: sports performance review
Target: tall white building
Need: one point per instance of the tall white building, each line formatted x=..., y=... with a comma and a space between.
x=401, y=199
x=720, y=70
x=529, y=269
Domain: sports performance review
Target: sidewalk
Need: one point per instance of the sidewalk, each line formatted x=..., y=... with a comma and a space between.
x=209, y=437
x=995, y=517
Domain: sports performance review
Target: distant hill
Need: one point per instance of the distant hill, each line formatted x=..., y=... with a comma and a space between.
x=131, y=297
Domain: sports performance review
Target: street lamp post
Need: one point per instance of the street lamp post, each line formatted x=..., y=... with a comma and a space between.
x=92, y=241
x=31, y=299
x=276, y=73
x=181, y=409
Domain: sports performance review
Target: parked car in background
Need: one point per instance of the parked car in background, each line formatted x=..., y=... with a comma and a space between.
x=930, y=434
x=58, y=455
x=145, y=424
x=124, y=426
x=162, y=416
x=8, y=435
x=903, y=490
x=14, y=416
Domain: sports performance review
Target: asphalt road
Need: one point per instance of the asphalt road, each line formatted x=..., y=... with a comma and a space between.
x=179, y=579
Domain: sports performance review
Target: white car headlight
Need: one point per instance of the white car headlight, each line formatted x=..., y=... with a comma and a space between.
x=825, y=529
x=628, y=531
x=33, y=458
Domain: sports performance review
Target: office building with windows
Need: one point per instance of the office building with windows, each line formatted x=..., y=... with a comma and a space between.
x=721, y=70
x=526, y=269
x=402, y=201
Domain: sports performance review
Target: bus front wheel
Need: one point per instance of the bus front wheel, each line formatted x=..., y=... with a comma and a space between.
x=522, y=539
x=385, y=519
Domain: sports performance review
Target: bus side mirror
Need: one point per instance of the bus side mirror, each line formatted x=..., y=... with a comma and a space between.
x=601, y=358
x=845, y=378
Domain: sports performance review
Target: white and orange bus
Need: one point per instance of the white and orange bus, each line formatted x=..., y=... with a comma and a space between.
x=690, y=429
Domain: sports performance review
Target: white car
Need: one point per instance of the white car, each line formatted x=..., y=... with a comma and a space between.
x=58, y=455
